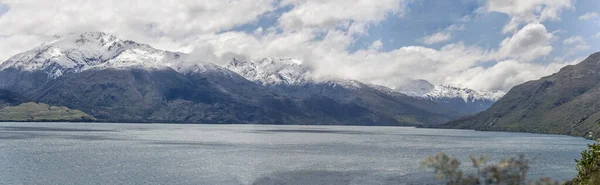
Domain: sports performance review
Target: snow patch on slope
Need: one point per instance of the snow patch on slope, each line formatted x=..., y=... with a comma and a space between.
x=272, y=71
x=424, y=89
x=468, y=95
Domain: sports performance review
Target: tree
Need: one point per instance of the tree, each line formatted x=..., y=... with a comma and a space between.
x=588, y=166
x=513, y=171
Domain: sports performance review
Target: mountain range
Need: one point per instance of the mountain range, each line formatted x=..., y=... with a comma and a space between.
x=124, y=81
x=463, y=100
x=563, y=103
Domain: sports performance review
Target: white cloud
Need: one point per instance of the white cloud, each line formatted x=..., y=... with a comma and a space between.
x=317, y=31
x=438, y=37
x=164, y=24
x=528, y=11
x=455, y=63
x=333, y=13
x=446, y=34
x=19, y=43
x=573, y=40
x=508, y=73
x=589, y=15
x=329, y=58
x=596, y=36
x=576, y=44
x=527, y=44
x=377, y=45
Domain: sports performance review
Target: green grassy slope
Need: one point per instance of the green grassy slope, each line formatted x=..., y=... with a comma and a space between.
x=42, y=112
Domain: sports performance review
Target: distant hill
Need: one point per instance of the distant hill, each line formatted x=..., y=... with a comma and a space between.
x=567, y=102
x=42, y=112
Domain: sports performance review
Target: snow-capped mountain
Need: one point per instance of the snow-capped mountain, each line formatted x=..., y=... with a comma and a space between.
x=423, y=88
x=95, y=50
x=466, y=101
x=271, y=71
x=284, y=72
x=121, y=80
x=468, y=95
x=296, y=78
x=293, y=78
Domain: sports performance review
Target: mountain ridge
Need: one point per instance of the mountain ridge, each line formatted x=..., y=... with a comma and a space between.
x=121, y=80
x=75, y=53
x=291, y=73
x=562, y=103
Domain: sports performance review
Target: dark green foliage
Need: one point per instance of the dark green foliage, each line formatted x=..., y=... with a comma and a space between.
x=588, y=166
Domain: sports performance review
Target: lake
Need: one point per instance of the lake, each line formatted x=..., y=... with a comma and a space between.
x=97, y=153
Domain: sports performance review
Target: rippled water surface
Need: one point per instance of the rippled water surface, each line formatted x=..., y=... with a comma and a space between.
x=80, y=153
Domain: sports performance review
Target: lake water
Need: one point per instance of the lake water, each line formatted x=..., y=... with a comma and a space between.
x=80, y=153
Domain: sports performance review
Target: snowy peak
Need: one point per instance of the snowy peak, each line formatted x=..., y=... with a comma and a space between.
x=68, y=51
x=468, y=95
x=75, y=53
x=95, y=50
x=423, y=88
x=96, y=39
x=286, y=72
x=416, y=88
x=271, y=71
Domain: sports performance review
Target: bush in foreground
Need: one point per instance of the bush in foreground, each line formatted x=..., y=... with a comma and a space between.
x=588, y=166
x=512, y=171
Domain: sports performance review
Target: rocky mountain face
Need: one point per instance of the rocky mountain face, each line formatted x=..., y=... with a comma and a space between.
x=124, y=81
x=563, y=103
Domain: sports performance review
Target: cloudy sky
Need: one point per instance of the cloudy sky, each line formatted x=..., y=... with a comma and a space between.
x=479, y=44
